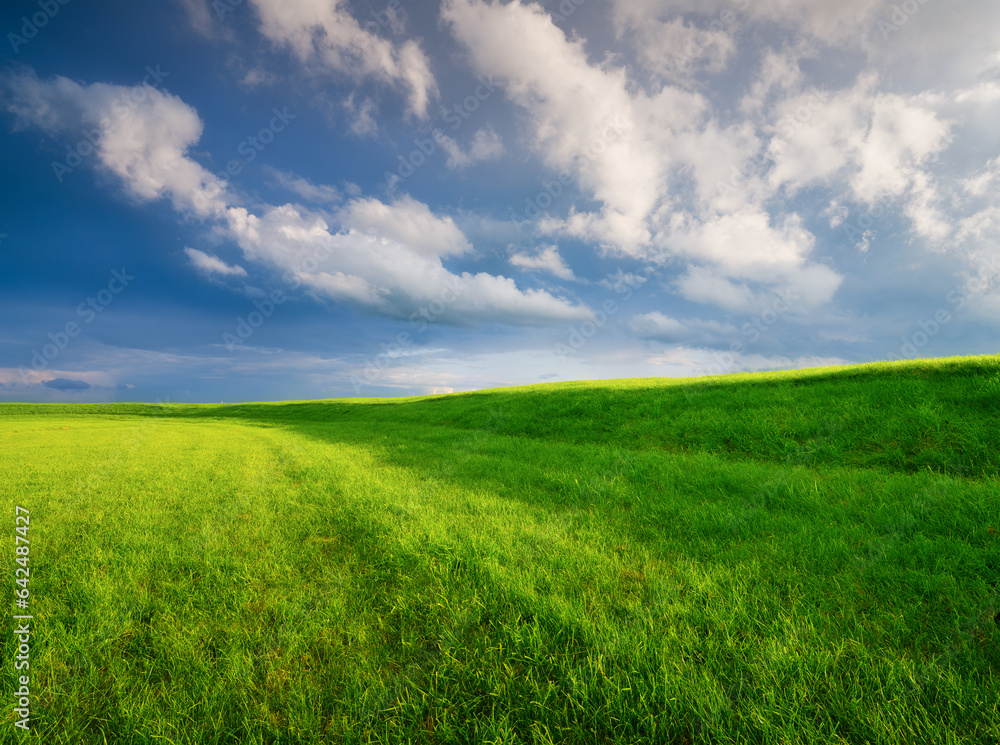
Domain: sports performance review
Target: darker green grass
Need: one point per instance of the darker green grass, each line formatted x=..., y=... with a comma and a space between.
x=785, y=557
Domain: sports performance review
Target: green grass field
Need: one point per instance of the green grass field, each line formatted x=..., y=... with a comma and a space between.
x=801, y=557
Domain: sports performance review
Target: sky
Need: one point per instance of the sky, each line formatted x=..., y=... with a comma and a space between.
x=249, y=200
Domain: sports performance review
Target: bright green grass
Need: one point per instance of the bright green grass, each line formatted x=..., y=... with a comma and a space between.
x=773, y=558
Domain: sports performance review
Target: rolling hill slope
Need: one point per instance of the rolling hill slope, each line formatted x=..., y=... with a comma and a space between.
x=810, y=556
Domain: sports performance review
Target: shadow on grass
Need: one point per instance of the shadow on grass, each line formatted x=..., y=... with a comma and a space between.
x=903, y=417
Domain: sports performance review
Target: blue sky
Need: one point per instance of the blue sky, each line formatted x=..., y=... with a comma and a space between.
x=299, y=199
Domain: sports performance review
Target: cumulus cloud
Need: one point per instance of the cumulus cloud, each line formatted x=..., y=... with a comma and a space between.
x=672, y=48
x=677, y=180
x=406, y=222
x=733, y=249
x=384, y=257
x=880, y=146
x=779, y=73
x=142, y=135
x=873, y=27
x=210, y=265
x=641, y=168
x=325, y=36
x=877, y=141
x=546, y=260
x=578, y=113
x=987, y=178
x=387, y=258
x=716, y=184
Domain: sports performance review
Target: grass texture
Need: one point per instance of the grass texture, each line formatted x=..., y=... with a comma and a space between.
x=796, y=557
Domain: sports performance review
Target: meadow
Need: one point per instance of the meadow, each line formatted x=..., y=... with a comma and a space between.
x=794, y=557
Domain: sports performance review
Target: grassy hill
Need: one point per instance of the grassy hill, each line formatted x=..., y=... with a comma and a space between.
x=808, y=556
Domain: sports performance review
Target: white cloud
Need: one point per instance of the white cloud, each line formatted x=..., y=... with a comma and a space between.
x=198, y=16
x=361, y=116
x=324, y=35
x=862, y=143
x=620, y=280
x=250, y=78
x=257, y=77
x=879, y=145
x=142, y=135
x=317, y=193
x=836, y=212
x=546, y=260
x=209, y=265
x=742, y=244
x=486, y=145
x=711, y=328
x=407, y=222
x=931, y=29
x=779, y=73
x=640, y=170
x=885, y=150
x=386, y=257
x=579, y=114
x=983, y=93
x=655, y=325
x=392, y=267
x=457, y=158
x=981, y=227
x=674, y=49
x=902, y=136
x=720, y=193
x=701, y=285
x=977, y=184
